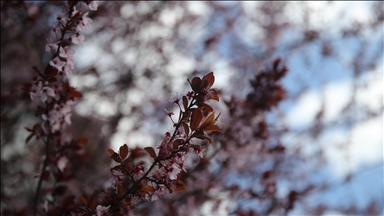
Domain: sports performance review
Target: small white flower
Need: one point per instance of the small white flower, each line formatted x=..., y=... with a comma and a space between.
x=93, y=5
x=77, y=38
x=57, y=63
x=102, y=210
x=66, y=52
x=38, y=91
x=51, y=45
x=176, y=170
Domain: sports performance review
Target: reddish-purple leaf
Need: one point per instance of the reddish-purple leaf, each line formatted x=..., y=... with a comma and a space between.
x=208, y=120
x=59, y=190
x=210, y=78
x=211, y=128
x=186, y=128
x=123, y=151
x=147, y=188
x=82, y=141
x=29, y=138
x=85, y=201
x=185, y=103
x=196, y=118
x=213, y=95
x=116, y=157
x=196, y=84
x=74, y=93
x=94, y=201
x=111, y=151
x=151, y=152
x=207, y=108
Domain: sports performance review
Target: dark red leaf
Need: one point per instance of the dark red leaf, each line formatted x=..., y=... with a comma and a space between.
x=82, y=141
x=185, y=103
x=210, y=78
x=85, y=202
x=29, y=138
x=151, y=152
x=186, y=128
x=71, y=3
x=74, y=93
x=147, y=188
x=211, y=128
x=116, y=157
x=213, y=95
x=207, y=108
x=59, y=190
x=196, y=118
x=123, y=152
x=46, y=175
x=94, y=201
x=111, y=151
x=196, y=84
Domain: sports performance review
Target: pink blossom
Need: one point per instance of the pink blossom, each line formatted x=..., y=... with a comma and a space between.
x=62, y=163
x=199, y=151
x=59, y=115
x=55, y=30
x=102, y=210
x=159, y=192
x=77, y=38
x=164, y=149
x=51, y=45
x=116, y=179
x=68, y=68
x=93, y=5
x=85, y=22
x=175, y=170
x=138, y=171
x=42, y=92
x=62, y=18
x=66, y=52
x=75, y=13
x=168, y=112
x=57, y=63
x=175, y=99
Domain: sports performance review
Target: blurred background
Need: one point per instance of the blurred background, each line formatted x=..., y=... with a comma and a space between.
x=140, y=54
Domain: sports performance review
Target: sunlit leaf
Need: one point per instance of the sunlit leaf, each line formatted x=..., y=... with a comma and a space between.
x=208, y=120
x=147, y=188
x=211, y=128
